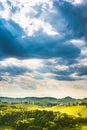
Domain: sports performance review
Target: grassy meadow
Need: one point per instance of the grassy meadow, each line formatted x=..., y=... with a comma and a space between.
x=70, y=110
x=29, y=116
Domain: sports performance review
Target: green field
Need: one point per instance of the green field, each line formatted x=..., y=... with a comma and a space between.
x=17, y=114
x=6, y=128
x=84, y=127
x=70, y=110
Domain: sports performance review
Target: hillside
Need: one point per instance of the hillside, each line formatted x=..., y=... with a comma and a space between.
x=22, y=114
x=45, y=100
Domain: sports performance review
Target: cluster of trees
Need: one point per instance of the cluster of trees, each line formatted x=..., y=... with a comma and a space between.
x=21, y=119
x=40, y=120
x=69, y=102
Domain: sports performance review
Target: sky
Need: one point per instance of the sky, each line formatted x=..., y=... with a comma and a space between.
x=43, y=48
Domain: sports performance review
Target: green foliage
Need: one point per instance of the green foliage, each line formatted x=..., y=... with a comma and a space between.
x=6, y=128
x=22, y=124
x=25, y=116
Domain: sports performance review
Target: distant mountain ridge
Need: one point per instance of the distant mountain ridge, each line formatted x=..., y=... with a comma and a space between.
x=44, y=100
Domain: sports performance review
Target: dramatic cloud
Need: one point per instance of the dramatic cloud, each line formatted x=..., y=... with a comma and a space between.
x=75, y=16
x=82, y=70
x=43, y=47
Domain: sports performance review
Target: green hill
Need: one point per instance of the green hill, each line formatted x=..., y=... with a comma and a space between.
x=49, y=101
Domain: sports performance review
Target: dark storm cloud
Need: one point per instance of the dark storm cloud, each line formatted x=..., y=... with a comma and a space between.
x=75, y=16
x=13, y=70
x=51, y=69
x=38, y=46
x=15, y=43
x=67, y=73
x=9, y=45
x=43, y=46
x=51, y=47
x=2, y=78
x=64, y=78
x=82, y=70
x=64, y=72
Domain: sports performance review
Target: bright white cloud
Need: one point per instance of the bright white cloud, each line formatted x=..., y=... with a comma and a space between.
x=30, y=63
x=84, y=51
x=28, y=85
x=75, y=1
x=30, y=15
x=78, y=42
x=41, y=88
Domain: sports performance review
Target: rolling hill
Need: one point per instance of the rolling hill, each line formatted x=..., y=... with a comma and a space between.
x=45, y=100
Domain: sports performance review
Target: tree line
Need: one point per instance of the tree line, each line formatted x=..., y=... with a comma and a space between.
x=40, y=120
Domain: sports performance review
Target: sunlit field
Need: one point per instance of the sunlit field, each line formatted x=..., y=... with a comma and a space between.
x=29, y=116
